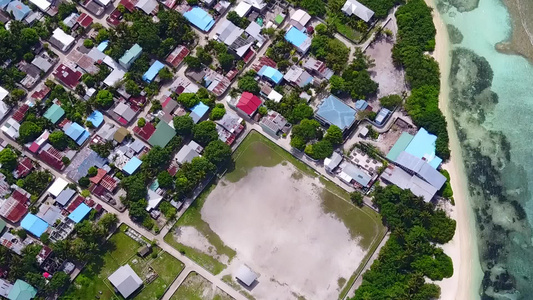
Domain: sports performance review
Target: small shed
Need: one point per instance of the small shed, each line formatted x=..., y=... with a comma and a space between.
x=143, y=251
x=246, y=275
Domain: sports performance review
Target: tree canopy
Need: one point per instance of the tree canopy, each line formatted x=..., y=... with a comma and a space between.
x=8, y=159
x=104, y=99
x=59, y=140
x=29, y=131
x=205, y=132
x=183, y=125
x=334, y=135
x=247, y=83
x=217, y=152
x=304, y=132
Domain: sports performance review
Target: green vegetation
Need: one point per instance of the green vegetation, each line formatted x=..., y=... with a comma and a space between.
x=36, y=182
x=197, y=287
x=446, y=190
x=247, y=83
x=355, y=80
x=416, y=34
x=218, y=112
x=411, y=253
x=326, y=47
x=183, y=125
x=305, y=132
x=292, y=107
x=8, y=159
x=237, y=20
x=205, y=132
x=390, y=101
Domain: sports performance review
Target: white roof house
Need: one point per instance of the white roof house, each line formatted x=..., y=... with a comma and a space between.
x=3, y=93
x=300, y=18
x=332, y=162
x=153, y=200
x=125, y=280
x=352, y=7
x=186, y=154
x=148, y=6
x=57, y=187
x=61, y=40
x=4, y=109
x=11, y=128
x=243, y=9
x=246, y=275
x=41, y=4
x=257, y=4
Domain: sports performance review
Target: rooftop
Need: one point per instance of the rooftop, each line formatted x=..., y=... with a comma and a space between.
x=299, y=39
x=353, y=7
x=34, y=225
x=132, y=165
x=249, y=103
x=125, y=280
x=423, y=145
x=130, y=55
x=153, y=71
x=186, y=154
x=58, y=186
x=22, y=291
x=335, y=112
x=18, y=9
x=76, y=132
x=162, y=135
x=246, y=275
x=200, y=18
x=79, y=213
x=198, y=112
x=271, y=73
x=96, y=117
x=54, y=113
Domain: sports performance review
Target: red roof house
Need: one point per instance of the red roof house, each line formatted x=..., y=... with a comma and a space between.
x=40, y=93
x=16, y=206
x=109, y=183
x=74, y=204
x=177, y=56
x=144, y=132
x=67, y=76
x=20, y=113
x=249, y=103
x=23, y=168
x=96, y=179
x=52, y=157
x=85, y=20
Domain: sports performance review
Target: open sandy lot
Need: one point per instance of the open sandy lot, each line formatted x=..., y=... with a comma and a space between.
x=274, y=219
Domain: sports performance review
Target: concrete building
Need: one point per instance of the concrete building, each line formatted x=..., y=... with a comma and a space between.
x=125, y=280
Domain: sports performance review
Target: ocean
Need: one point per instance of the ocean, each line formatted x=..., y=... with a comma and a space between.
x=491, y=100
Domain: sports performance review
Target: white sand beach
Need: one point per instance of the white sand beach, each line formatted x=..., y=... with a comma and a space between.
x=462, y=249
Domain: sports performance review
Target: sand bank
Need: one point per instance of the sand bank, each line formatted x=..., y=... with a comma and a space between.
x=466, y=279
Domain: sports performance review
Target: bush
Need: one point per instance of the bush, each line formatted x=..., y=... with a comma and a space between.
x=357, y=198
x=218, y=112
x=92, y=171
x=84, y=182
x=141, y=122
x=391, y=101
x=88, y=43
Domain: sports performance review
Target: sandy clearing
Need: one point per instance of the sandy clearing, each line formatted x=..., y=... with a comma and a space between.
x=280, y=230
x=191, y=237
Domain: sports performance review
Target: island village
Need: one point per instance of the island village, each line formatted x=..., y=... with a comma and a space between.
x=205, y=149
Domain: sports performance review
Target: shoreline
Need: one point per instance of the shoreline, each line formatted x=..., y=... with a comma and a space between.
x=462, y=249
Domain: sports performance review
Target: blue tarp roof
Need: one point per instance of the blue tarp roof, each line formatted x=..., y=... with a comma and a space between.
x=335, y=112
x=423, y=146
x=79, y=213
x=19, y=10
x=200, y=18
x=132, y=165
x=152, y=72
x=96, y=118
x=198, y=112
x=271, y=73
x=296, y=37
x=76, y=132
x=34, y=225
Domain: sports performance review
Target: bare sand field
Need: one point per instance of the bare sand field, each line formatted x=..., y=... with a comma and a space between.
x=275, y=220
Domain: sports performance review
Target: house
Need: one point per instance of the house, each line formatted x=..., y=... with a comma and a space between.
x=273, y=123
x=361, y=105
x=54, y=113
x=246, y=276
x=16, y=206
x=67, y=76
x=317, y=68
x=404, y=180
x=43, y=5
x=23, y=168
x=93, y=7
x=104, y=3
x=132, y=165
x=422, y=145
x=65, y=196
x=84, y=20
x=332, y=111
x=96, y=118
x=299, y=19
x=353, y=7
x=34, y=225
x=232, y=123
x=353, y=175
x=82, y=162
x=57, y=187
x=271, y=74
x=5, y=288
x=332, y=162
x=61, y=40
x=248, y=103
x=125, y=280
x=4, y=110
x=5, y=188
x=49, y=213
x=298, y=77
x=148, y=6
x=199, y=18
x=143, y=251
x=70, y=21
x=144, y=132
x=176, y=57
x=152, y=72
x=153, y=200
x=33, y=74
x=162, y=135
x=3, y=93
x=124, y=112
x=243, y=9
x=169, y=105
x=130, y=56
x=186, y=154
x=257, y=5
x=11, y=128
x=18, y=9
x=215, y=82
x=239, y=40
x=298, y=39
x=22, y=291
x=51, y=156
x=382, y=115
x=421, y=168
x=76, y=132
x=43, y=62
x=40, y=93
x=79, y=213
x=198, y=112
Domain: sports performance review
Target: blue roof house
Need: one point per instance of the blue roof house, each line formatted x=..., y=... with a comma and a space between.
x=132, y=165
x=79, y=213
x=96, y=117
x=198, y=112
x=271, y=74
x=332, y=111
x=153, y=71
x=361, y=104
x=4, y=3
x=298, y=39
x=19, y=10
x=34, y=225
x=200, y=18
x=423, y=145
x=21, y=290
x=130, y=56
x=76, y=132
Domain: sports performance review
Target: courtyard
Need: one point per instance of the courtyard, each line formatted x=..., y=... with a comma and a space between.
x=120, y=249
x=295, y=229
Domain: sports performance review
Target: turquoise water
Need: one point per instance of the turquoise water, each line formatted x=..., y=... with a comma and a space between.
x=492, y=106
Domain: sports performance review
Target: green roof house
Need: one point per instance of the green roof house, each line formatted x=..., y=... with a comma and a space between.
x=54, y=113
x=279, y=19
x=162, y=135
x=2, y=225
x=130, y=56
x=22, y=291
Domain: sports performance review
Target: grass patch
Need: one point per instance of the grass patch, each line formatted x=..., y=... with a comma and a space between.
x=192, y=217
x=196, y=287
x=119, y=250
x=343, y=28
